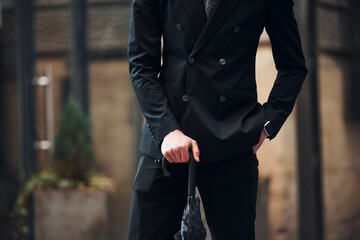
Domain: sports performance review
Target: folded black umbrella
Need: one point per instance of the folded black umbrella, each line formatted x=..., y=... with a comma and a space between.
x=192, y=227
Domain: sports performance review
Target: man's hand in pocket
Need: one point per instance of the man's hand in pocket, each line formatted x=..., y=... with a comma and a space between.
x=261, y=140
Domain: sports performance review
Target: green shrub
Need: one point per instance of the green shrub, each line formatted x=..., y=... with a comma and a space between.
x=73, y=156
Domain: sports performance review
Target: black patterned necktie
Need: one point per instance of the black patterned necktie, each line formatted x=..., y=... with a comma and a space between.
x=209, y=6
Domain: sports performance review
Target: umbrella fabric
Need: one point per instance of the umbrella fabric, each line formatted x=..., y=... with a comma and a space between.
x=192, y=227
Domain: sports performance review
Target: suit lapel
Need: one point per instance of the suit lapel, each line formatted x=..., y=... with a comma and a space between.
x=196, y=13
x=221, y=11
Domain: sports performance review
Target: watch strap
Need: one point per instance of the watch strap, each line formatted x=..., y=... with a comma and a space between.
x=269, y=129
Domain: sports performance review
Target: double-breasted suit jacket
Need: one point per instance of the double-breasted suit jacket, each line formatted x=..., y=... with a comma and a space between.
x=206, y=85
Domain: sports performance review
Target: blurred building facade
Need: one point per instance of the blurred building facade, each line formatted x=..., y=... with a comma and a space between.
x=40, y=37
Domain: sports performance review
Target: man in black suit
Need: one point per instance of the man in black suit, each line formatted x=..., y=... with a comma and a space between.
x=203, y=97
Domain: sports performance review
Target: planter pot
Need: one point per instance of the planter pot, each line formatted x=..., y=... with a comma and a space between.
x=70, y=214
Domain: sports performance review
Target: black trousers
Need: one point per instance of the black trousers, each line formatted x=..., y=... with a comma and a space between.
x=228, y=190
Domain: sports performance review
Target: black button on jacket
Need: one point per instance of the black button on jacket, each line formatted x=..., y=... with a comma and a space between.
x=221, y=128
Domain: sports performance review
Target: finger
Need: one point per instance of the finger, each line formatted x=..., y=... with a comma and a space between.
x=180, y=153
x=184, y=156
x=168, y=156
x=175, y=155
x=254, y=149
x=181, y=156
x=196, y=151
x=165, y=152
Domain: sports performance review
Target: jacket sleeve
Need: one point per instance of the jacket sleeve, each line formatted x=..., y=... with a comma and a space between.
x=144, y=56
x=283, y=32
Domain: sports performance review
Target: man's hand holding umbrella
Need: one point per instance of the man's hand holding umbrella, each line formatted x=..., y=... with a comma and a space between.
x=175, y=147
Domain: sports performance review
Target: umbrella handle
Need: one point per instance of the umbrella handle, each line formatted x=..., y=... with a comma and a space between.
x=164, y=168
x=191, y=180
